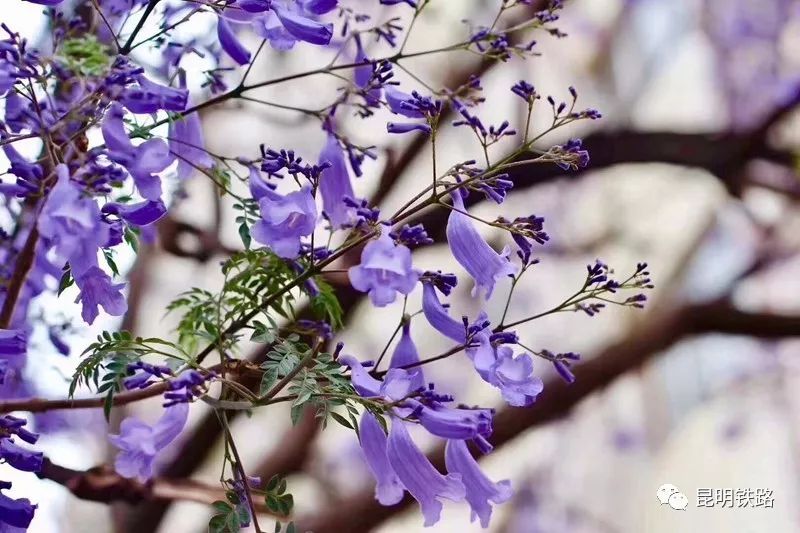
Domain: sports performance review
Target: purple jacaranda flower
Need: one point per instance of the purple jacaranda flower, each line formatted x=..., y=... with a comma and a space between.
x=285, y=220
x=149, y=97
x=450, y=423
x=254, y=6
x=97, y=290
x=412, y=3
x=480, y=490
x=384, y=271
x=405, y=127
x=335, y=185
x=319, y=7
x=141, y=161
x=362, y=74
x=12, y=342
x=187, y=386
x=259, y=187
x=8, y=76
x=20, y=458
x=388, y=490
x=45, y=2
x=187, y=144
x=71, y=223
x=29, y=175
x=473, y=253
x=438, y=317
x=405, y=354
x=138, y=214
x=299, y=25
x=436, y=417
x=15, y=515
x=419, y=476
x=399, y=102
x=230, y=43
x=513, y=375
x=139, y=443
x=269, y=27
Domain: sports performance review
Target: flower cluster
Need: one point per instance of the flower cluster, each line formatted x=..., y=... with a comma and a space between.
x=118, y=139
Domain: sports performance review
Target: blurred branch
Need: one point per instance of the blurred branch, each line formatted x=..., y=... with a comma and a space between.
x=103, y=484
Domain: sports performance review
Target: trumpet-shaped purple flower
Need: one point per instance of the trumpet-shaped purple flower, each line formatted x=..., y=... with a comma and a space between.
x=335, y=185
x=187, y=143
x=388, y=490
x=473, y=253
x=480, y=490
x=406, y=127
x=230, y=43
x=141, y=161
x=450, y=423
x=437, y=315
x=285, y=220
x=401, y=102
x=20, y=458
x=138, y=214
x=71, y=223
x=499, y=367
x=384, y=271
x=97, y=290
x=12, y=343
x=14, y=513
x=419, y=476
x=149, y=97
x=299, y=25
x=140, y=443
x=405, y=354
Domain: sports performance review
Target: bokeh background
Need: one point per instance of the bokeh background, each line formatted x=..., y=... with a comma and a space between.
x=694, y=170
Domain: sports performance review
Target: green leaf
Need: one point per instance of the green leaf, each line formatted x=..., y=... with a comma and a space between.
x=222, y=507
x=244, y=234
x=342, y=420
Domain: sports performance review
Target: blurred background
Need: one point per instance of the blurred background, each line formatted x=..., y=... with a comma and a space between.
x=694, y=170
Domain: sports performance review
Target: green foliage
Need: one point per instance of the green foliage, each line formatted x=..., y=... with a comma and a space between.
x=326, y=305
x=108, y=357
x=85, y=56
x=229, y=517
x=277, y=499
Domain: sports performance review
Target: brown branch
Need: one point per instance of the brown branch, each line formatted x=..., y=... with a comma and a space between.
x=22, y=266
x=103, y=484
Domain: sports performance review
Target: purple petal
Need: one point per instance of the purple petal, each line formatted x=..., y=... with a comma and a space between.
x=230, y=43
x=16, y=513
x=304, y=28
x=139, y=214
x=480, y=489
x=319, y=7
x=437, y=315
x=97, y=290
x=20, y=458
x=335, y=185
x=388, y=490
x=405, y=127
x=364, y=384
x=405, y=354
x=188, y=145
x=419, y=476
x=473, y=253
x=452, y=423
